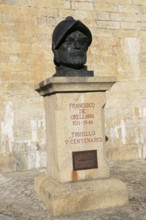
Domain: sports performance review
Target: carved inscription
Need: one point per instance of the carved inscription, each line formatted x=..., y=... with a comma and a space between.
x=83, y=160
x=82, y=118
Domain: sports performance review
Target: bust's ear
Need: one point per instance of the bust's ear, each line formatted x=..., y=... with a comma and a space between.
x=56, y=58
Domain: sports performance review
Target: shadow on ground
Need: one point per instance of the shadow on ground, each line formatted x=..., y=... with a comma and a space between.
x=18, y=201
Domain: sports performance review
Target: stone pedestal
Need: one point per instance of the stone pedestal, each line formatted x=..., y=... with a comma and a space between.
x=77, y=173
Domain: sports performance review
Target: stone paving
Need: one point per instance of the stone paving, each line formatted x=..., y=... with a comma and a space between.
x=18, y=201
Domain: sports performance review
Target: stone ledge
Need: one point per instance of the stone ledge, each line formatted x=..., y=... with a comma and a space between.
x=74, y=84
x=69, y=198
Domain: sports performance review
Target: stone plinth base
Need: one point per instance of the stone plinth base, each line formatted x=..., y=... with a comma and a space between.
x=69, y=198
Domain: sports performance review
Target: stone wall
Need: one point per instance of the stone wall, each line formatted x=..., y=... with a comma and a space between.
x=118, y=49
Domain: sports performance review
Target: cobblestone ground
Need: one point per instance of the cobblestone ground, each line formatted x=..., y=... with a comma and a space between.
x=18, y=201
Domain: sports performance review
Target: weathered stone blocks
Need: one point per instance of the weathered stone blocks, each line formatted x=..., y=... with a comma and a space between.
x=77, y=172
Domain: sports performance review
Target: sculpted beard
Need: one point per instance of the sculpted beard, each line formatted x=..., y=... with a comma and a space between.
x=73, y=59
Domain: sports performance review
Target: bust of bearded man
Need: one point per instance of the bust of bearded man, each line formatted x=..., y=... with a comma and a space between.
x=70, y=42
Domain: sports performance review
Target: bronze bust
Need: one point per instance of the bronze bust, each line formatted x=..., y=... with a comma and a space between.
x=70, y=42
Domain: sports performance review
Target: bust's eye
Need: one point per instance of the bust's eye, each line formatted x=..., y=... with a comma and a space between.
x=82, y=40
x=69, y=41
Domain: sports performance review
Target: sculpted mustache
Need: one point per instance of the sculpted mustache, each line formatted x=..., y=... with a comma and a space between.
x=77, y=52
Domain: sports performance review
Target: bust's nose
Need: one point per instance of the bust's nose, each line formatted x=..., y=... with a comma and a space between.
x=77, y=44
